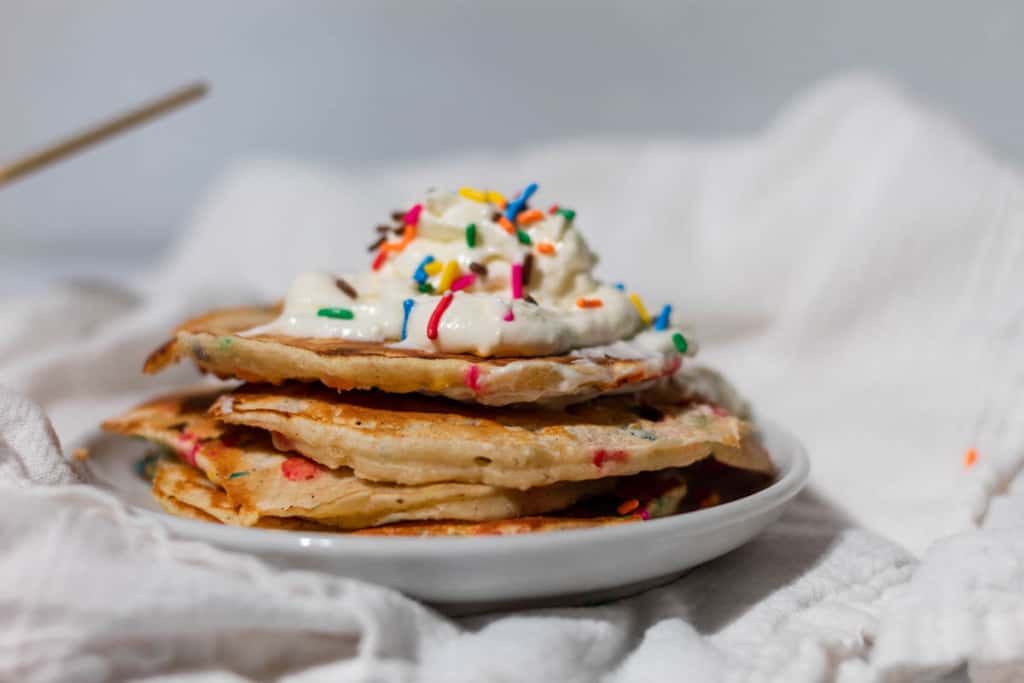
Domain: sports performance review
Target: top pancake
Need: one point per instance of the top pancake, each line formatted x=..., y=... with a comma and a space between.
x=213, y=343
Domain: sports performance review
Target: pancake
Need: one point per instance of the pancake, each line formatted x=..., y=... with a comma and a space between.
x=213, y=342
x=260, y=482
x=184, y=491
x=418, y=440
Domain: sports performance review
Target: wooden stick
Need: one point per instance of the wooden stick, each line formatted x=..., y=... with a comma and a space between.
x=96, y=134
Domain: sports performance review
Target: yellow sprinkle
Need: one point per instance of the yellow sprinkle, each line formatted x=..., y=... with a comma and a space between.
x=495, y=197
x=448, y=275
x=433, y=268
x=641, y=309
x=475, y=195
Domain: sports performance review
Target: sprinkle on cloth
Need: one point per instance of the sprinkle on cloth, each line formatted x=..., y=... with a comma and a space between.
x=406, y=310
x=589, y=303
x=517, y=281
x=420, y=275
x=970, y=458
x=435, y=316
x=645, y=317
x=339, y=313
x=662, y=321
x=348, y=289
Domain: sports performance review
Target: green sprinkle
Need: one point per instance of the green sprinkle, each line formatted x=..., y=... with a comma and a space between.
x=523, y=237
x=236, y=475
x=224, y=343
x=680, y=341
x=471, y=235
x=342, y=313
x=569, y=214
x=426, y=288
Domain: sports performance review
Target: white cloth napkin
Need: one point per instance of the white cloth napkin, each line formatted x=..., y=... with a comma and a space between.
x=856, y=269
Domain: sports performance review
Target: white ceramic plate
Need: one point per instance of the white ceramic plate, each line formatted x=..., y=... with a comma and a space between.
x=461, y=574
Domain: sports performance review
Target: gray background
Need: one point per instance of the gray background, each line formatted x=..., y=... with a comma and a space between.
x=356, y=83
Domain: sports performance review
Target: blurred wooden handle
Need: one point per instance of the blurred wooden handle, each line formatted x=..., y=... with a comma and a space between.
x=91, y=136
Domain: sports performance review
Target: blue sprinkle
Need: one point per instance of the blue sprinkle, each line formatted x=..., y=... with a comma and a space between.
x=517, y=204
x=407, y=307
x=420, y=275
x=661, y=322
x=619, y=286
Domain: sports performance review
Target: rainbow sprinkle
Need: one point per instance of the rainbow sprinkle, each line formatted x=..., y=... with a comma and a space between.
x=448, y=275
x=471, y=235
x=545, y=248
x=379, y=261
x=970, y=458
x=619, y=286
x=412, y=216
x=523, y=237
x=433, y=268
x=529, y=217
x=680, y=342
x=589, y=303
x=506, y=225
x=339, y=313
x=435, y=316
x=474, y=195
x=645, y=317
x=471, y=378
x=568, y=214
x=406, y=310
x=509, y=315
x=426, y=288
x=628, y=506
x=496, y=198
x=515, y=206
x=236, y=475
x=420, y=275
x=517, y=281
x=661, y=322
x=463, y=282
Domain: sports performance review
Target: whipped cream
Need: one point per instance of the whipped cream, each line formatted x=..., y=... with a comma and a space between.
x=483, y=318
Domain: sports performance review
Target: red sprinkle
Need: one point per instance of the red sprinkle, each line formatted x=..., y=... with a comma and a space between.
x=472, y=377
x=299, y=469
x=602, y=456
x=554, y=209
x=412, y=216
x=435, y=317
x=190, y=447
x=379, y=261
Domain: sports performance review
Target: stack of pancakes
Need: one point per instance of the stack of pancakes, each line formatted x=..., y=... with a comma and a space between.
x=477, y=379
x=328, y=434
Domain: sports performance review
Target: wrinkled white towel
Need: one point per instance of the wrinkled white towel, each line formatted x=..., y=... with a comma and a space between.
x=856, y=269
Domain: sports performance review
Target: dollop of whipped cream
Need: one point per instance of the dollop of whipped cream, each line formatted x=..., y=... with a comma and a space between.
x=560, y=306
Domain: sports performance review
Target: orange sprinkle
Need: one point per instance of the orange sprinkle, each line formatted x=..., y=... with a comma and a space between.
x=710, y=500
x=507, y=224
x=628, y=506
x=408, y=235
x=589, y=303
x=528, y=217
x=545, y=248
x=970, y=457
